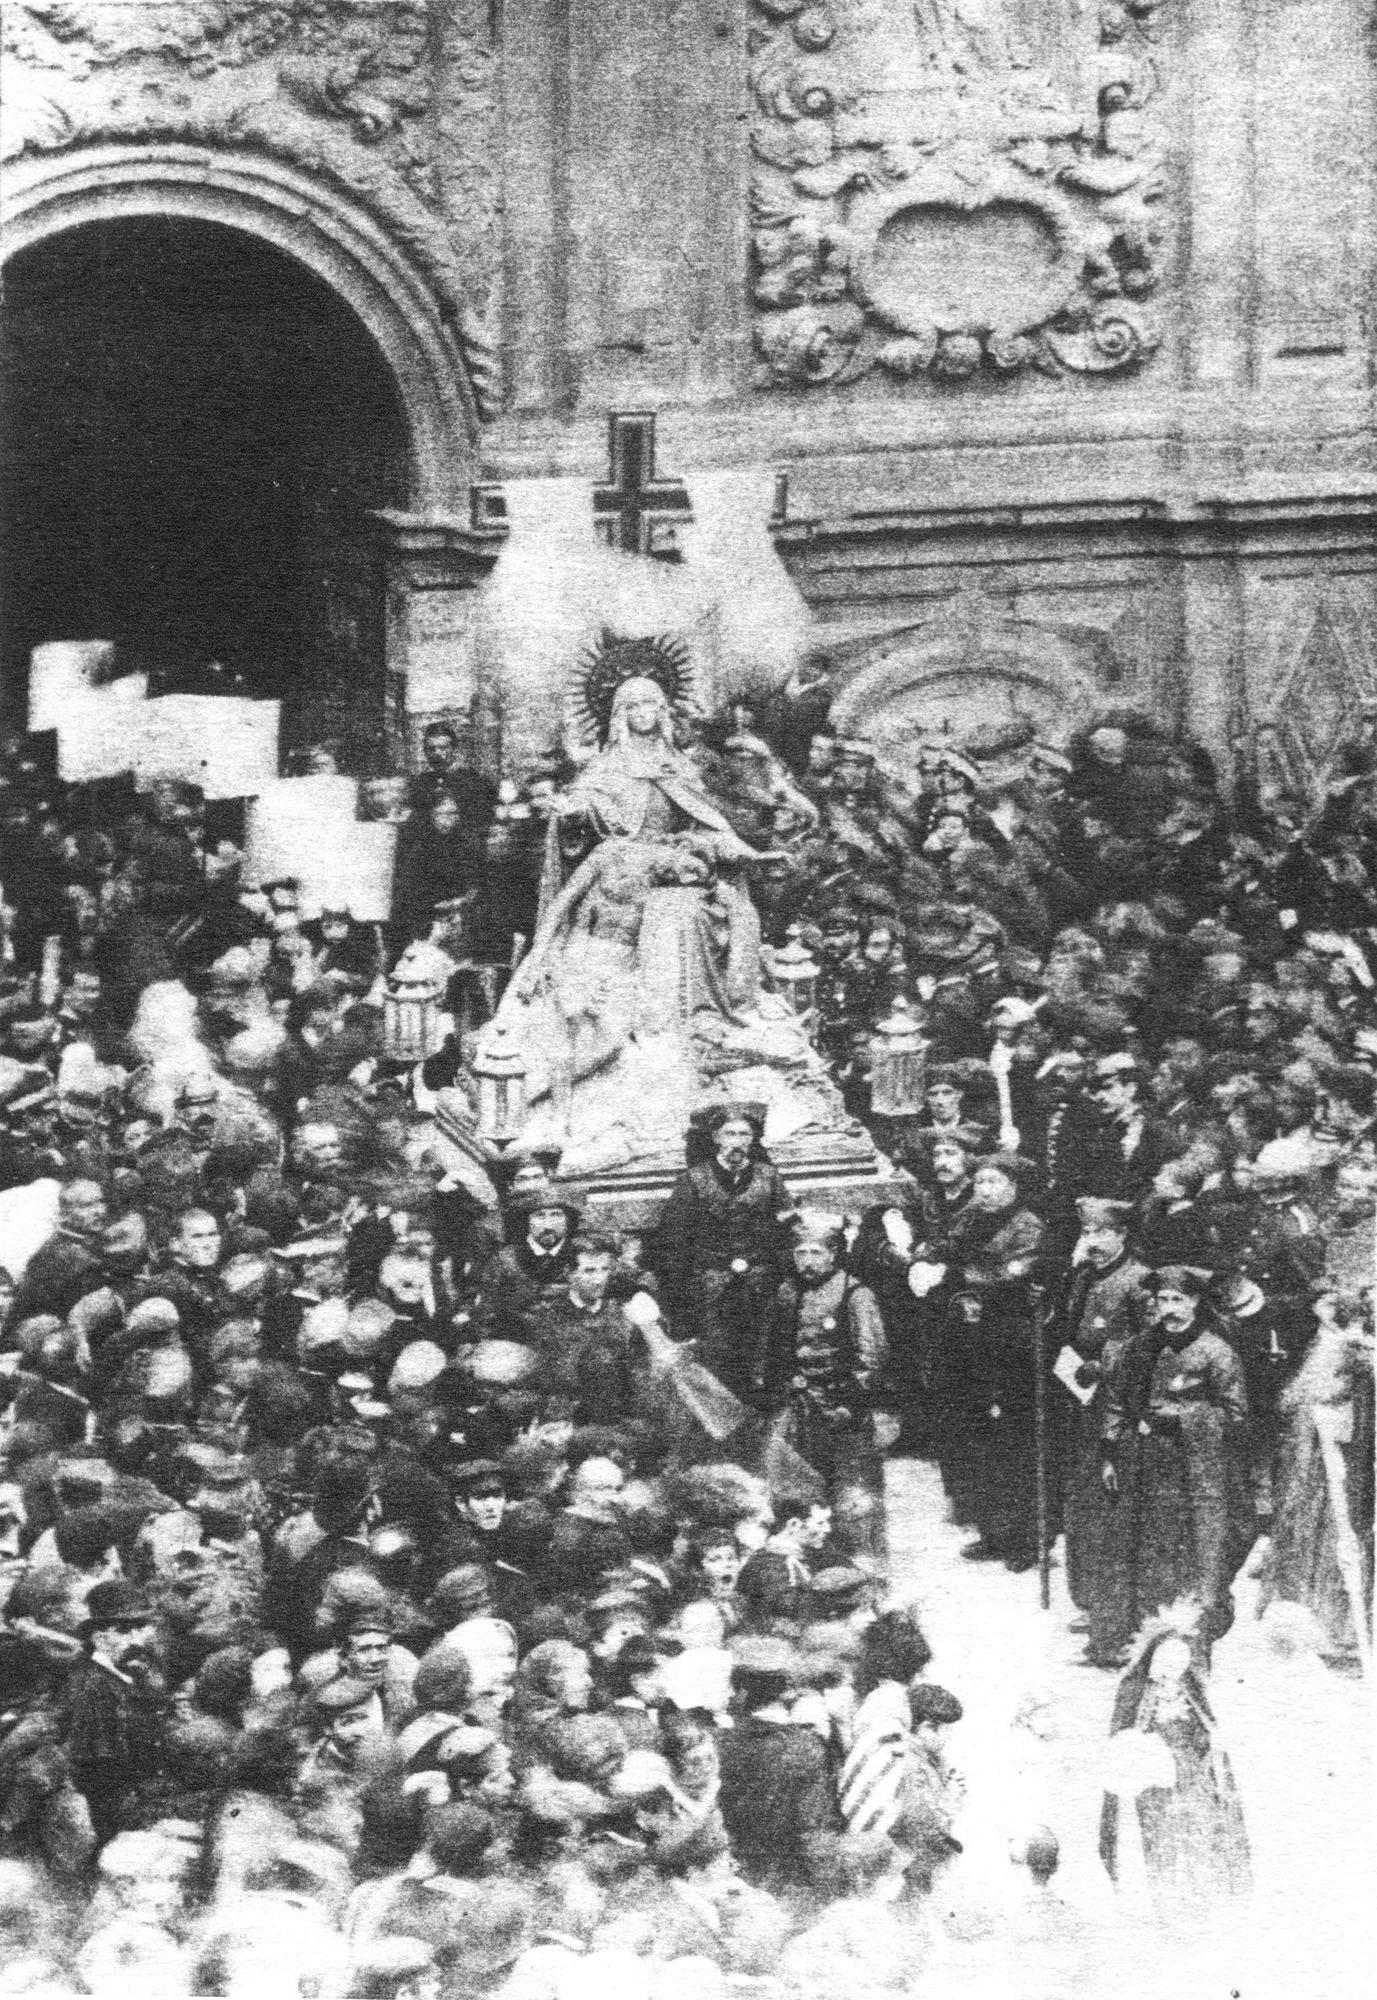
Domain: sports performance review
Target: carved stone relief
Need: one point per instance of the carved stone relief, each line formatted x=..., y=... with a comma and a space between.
x=945, y=186
x=1323, y=694
x=967, y=670
x=363, y=92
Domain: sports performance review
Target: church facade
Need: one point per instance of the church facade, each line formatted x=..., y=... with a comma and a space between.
x=1051, y=319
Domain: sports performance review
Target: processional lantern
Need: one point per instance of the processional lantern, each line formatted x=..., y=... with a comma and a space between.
x=794, y=973
x=499, y=1068
x=412, y=1027
x=898, y=1062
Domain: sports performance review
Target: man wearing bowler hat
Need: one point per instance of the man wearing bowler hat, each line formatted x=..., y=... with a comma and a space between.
x=113, y=1711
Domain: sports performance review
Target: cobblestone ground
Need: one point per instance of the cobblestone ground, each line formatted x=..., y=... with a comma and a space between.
x=1032, y=1749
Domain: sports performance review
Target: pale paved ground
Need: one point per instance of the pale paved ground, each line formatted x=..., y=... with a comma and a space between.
x=1300, y=1739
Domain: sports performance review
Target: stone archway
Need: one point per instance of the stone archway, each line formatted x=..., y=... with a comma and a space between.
x=308, y=219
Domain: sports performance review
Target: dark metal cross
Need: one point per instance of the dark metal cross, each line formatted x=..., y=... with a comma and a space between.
x=634, y=510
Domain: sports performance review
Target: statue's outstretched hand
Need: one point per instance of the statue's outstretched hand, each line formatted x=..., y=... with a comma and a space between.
x=530, y=977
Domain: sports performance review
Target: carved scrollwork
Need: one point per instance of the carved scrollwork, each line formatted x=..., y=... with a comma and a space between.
x=981, y=181
x=349, y=89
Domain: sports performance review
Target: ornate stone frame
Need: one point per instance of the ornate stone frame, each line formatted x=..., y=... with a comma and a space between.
x=309, y=220
x=937, y=189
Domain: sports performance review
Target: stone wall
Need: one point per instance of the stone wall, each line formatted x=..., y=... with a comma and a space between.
x=1052, y=311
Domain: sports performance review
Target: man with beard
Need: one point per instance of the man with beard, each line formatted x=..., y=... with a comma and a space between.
x=1175, y=1441
x=1105, y=1308
x=719, y=1252
x=824, y=1351
x=113, y=1709
x=985, y=1361
x=533, y=1266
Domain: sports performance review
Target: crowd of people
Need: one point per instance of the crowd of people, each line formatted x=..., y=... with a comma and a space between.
x=410, y=1587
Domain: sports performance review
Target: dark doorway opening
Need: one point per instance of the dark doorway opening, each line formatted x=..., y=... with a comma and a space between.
x=196, y=430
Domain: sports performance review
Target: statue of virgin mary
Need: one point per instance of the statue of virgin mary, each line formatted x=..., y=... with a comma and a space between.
x=648, y=952
x=640, y=788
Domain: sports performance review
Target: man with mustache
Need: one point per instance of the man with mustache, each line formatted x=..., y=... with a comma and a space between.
x=533, y=1267
x=1175, y=1440
x=114, y=1707
x=721, y=1247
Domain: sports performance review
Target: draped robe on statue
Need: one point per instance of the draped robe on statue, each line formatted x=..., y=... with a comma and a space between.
x=651, y=794
x=650, y=944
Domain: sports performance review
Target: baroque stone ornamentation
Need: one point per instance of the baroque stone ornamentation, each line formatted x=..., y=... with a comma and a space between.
x=363, y=92
x=942, y=187
x=1324, y=703
x=971, y=667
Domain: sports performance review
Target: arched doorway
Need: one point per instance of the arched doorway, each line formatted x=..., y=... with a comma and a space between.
x=198, y=429
x=216, y=368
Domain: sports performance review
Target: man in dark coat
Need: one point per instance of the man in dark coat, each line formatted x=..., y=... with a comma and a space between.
x=824, y=1354
x=114, y=1706
x=532, y=1267
x=588, y=1539
x=1175, y=1438
x=892, y=1238
x=1123, y=1148
x=1105, y=1308
x=590, y=1357
x=67, y=1265
x=720, y=1248
x=776, y=1795
x=442, y=858
x=475, y=795
x=1272, y=1251
x=985, y=1361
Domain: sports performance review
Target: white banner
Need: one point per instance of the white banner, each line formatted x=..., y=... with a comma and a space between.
x=223, y=743
x=308, y=828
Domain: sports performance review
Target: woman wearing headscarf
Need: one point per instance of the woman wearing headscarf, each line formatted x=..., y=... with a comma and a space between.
x=1166, y=1756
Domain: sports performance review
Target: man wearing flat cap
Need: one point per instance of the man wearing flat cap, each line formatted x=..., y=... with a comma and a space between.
x=1105, y=1308
x=1122, y=1147
x=719, y=1250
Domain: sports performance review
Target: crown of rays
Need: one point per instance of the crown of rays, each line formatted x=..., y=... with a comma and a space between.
x=613, y=659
